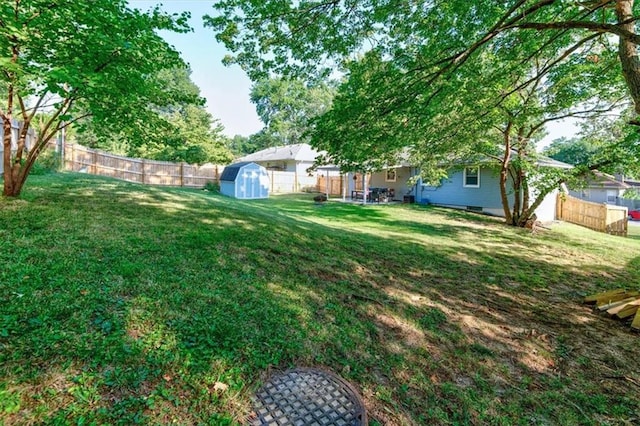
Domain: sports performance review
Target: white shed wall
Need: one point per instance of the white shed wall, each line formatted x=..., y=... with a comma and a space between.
x=251, y=182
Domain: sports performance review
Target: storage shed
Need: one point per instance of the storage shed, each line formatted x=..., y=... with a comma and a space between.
x=245, y=180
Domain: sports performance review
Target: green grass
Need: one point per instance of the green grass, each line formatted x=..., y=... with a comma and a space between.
x=124, y=304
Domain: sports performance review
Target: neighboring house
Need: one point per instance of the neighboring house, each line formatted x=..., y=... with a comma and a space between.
x=602, y=188
x=287, y=166
x=632, y=195
x=477, y=188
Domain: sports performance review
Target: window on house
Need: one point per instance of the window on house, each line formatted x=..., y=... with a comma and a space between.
x=471, y=177
x=390, y=175
x=612, y=196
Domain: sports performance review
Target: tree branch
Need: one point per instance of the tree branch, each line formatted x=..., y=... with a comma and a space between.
x=599, y=28
x=594, y=110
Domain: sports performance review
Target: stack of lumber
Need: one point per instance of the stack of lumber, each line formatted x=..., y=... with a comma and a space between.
x=619, y=303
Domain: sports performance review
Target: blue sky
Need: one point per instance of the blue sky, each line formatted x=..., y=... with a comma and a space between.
x=227, y=88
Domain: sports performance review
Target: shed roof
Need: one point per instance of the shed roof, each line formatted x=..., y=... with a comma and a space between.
x=297, y=152
x=231, y=171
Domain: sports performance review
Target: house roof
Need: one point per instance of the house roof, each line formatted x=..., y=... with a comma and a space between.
x=632, y=182
x=604, y=181
x=550, y=162
x=297, y=152
x=541, y=161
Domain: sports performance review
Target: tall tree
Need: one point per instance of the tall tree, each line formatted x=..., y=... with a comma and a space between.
x=494, y=115
x=606, y=144
x=239, y=145
x=184, y=131
x=444, y=79
x=287, y=106
x=99, y=54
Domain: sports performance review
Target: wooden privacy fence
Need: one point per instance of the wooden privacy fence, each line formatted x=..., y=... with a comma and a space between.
x=81, y=159
x=599, y=217
x=332, y=186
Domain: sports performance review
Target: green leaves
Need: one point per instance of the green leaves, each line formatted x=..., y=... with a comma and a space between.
x=99, y=53
x=172, y=126
x=287, y=106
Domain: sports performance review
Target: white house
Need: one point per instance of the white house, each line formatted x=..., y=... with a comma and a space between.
x=287, y=166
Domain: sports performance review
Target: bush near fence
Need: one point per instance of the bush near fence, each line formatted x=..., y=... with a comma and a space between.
x=81, y=159
x=599, y=217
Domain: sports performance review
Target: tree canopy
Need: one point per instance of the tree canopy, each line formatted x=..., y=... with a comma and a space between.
x=184, y=130
x=607, y=144
x=313, y=37
x=445, y=80
x=287, y=106
x=96, y=56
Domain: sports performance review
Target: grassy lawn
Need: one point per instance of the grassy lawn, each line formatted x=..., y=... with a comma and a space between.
x=124, y=304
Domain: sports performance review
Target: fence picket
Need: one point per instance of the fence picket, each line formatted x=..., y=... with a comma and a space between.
x=83, y=159
x=599, y=217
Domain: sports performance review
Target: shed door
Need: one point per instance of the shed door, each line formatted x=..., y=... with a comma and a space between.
x=250, y=185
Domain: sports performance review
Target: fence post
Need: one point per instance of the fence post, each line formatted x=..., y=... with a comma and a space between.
x=143, y=172
x=94, y=159
x=181, y=173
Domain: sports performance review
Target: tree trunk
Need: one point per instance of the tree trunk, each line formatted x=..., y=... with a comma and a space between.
x=6, y=157
x=517, y=196
x=504, y=173
x=628, y=53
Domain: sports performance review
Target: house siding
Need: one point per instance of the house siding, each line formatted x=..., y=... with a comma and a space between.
x=453, y=193
x=596, y=195
x=546, y=211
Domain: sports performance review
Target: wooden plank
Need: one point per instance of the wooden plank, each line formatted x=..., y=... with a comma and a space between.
x=629, y=310
x=636, y=321
x=616, y=309
x=595, y=297
x=607, y=306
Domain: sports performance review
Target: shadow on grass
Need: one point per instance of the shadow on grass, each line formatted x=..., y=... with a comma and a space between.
x=128, y=304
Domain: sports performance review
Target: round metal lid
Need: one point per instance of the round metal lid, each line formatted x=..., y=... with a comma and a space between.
x=308, y=397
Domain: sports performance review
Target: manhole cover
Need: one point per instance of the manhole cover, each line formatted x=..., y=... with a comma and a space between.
x=308, y=397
